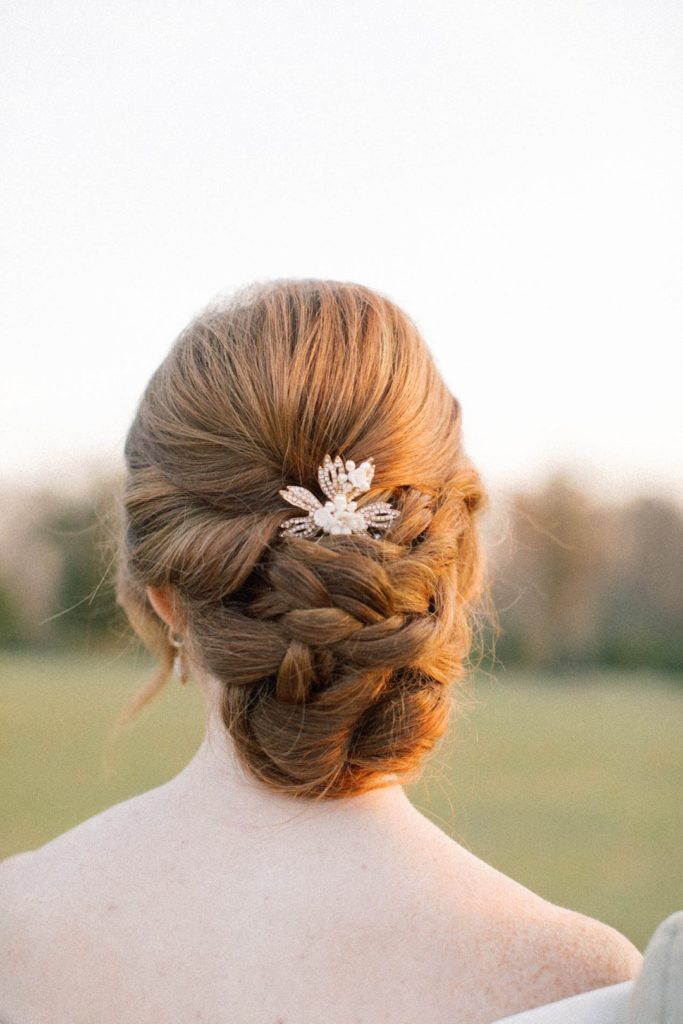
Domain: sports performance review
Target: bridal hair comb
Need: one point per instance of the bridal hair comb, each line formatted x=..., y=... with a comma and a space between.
x=341, y=482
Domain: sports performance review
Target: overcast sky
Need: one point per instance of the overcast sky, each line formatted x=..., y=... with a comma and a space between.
x=507, y=172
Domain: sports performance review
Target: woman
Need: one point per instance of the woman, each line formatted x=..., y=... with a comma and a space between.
x=283, y=876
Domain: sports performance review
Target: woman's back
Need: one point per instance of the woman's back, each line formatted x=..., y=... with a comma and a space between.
x=329, y=646
x=197, y=902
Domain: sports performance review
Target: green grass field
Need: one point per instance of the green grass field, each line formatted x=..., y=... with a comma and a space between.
x=573, y=788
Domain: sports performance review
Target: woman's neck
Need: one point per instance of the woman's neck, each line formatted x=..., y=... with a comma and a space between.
x=215, y=787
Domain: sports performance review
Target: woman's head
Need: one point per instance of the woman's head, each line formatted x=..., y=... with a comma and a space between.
x=334, y=655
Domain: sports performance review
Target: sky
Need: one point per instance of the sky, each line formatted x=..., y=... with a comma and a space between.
x=508, y=172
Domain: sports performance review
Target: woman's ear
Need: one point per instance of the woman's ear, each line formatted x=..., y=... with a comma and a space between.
x=163, y=603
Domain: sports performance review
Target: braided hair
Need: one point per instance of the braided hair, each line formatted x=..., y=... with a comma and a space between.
x=335, y=655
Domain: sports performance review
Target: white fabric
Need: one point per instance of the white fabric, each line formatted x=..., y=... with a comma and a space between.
x=658, y=994
x=599, y=1006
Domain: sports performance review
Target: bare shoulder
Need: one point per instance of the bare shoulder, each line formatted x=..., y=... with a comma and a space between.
x=49, y=875
x=19, y=913
x=516, y=948
x=561, y=953
x=529, y=952
x=38, y=887
x=600, y=953
x=14, y=871
x=49, y=899
x=17, y=883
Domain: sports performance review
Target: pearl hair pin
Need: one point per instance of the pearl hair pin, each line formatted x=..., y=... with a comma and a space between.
x=341, y=482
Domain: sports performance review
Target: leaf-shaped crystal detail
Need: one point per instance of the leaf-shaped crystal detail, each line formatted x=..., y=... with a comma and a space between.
x=301, y=497
x=341, y=481
x=336, y=477
x=328, y=476
x=300, y=526
x=379, y=514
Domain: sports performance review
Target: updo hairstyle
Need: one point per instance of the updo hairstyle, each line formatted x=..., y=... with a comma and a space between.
x=336, y=655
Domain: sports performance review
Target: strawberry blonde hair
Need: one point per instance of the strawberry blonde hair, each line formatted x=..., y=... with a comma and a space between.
x=336, y=654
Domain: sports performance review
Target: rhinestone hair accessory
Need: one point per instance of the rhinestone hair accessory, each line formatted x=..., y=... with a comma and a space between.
x=341, y=482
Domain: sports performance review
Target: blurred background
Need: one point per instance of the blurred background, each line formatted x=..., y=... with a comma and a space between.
x=509, y=174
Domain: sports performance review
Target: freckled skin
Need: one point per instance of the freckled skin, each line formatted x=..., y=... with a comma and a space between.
x=213, y=899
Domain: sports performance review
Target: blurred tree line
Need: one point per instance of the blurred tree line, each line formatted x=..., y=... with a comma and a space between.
x=578, y=583
x=575, y=583
x=57, y=558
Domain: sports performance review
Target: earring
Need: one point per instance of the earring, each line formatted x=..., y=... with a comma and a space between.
x=178, y=666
